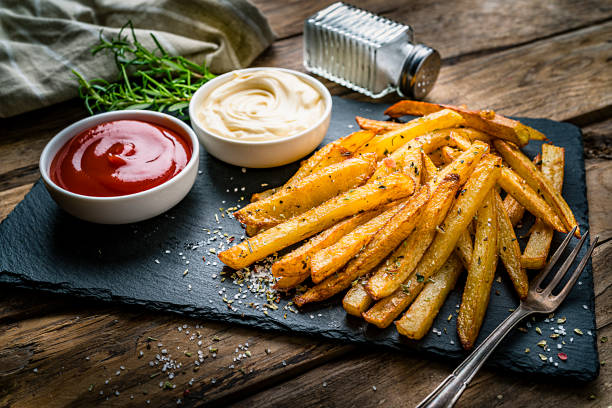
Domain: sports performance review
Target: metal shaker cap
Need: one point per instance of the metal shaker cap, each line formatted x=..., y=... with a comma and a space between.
x=419, y=72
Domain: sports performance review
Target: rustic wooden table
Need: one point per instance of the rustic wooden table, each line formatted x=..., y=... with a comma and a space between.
x=541, y=59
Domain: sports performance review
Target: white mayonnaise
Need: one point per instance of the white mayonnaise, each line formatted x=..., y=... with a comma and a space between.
x=261, y=105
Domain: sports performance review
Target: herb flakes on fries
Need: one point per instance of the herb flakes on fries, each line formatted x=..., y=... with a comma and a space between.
x=392, y=214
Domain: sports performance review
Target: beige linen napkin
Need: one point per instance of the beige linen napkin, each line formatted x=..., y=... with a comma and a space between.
x=41, y=41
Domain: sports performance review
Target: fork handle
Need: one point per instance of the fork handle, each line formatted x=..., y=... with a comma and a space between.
x=449, y=391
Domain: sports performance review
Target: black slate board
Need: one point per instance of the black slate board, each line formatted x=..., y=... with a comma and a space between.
x=44, y=248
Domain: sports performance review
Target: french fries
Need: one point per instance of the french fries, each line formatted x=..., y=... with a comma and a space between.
x=514, y=209
x=465, y=248
x=389, y=142
x=294, y=268
x=357, y=300
x=419, y=318
x=509, y=250
x=480, y=274
x=307, y=193
x=514, y=185
x=534, y=177
x=331, y=259
x=536, y=251
x=329, y=154
x=364, y=198
x=391, y=273
x=390, y=216
x=376, y=126
x=486, y=121
x=385, y=240
x=481, y=181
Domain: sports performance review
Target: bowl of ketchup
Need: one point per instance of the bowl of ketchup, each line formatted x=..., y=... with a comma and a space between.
x=121, y=167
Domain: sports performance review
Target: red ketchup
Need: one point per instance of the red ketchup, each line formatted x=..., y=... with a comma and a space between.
x=119, y=158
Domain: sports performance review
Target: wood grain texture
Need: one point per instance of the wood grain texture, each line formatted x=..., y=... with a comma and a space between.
x=560, y=78
x=462, y=28
x=549, y=59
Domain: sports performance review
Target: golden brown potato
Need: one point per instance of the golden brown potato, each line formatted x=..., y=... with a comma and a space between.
x=534, y=177
x=388, y=142
x=360, y=199
x=536, y=251
x=357, y=300
x=408, y=161
x=331, y=259
x=514, y=185
x=480, y=274
x=385, y=240
x=391, y=273
x=294, y=267
x=481, y=181
x=485, y=121
x=464, y=248
x=418, y=319
x=377, y=126
x=430, y=171
x=331, y=153
x=509, y=250
x=514, y=209
x=307, y=193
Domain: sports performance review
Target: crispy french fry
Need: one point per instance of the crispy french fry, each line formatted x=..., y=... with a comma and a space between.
x=408, y=161
x=294, y=267
x=534, y=177
x=473, y=134
x=357, y=300
x=536, y=251
x=385, y=240
x=391, y=273
x=480, y=274
x=437, y=158
x=331, y=259
x=459, y=140
x=509, y=250
x=377, y=126
x=308, y=192
x=364, y=198
x=329, y=154
x=513, y=184
x=464, y=248
x=388, y=142
x=482, y=180
x=419, y=318
x=430, y=171
x=447, y=154
x=486, y=121
x=514, y=209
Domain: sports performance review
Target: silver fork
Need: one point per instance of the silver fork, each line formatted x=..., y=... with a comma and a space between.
x=539, y=300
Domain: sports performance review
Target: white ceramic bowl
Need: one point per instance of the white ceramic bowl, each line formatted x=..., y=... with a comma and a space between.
x=132, y=207
x=260, y=154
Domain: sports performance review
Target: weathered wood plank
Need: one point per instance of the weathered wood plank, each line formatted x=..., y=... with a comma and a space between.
x=598, y=140
x=73, y=349
x=460, y=27
x=10, y=198
x=404, y=380
x=558, y=78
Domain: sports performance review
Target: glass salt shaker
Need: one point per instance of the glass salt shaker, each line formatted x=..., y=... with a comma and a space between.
x=368, y=53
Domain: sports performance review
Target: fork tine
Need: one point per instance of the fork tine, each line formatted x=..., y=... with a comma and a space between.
x=572, y=280
x=566, y=265
x=553, y=259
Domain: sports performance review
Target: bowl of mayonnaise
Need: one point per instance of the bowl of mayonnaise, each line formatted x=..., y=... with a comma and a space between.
x=261, y=117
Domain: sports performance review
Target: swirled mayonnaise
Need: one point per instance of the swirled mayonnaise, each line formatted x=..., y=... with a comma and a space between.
x=261, y=105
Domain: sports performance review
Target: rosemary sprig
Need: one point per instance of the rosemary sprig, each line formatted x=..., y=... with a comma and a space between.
x=148, y=79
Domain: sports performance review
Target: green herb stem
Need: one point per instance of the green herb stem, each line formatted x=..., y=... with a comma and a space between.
x=148, y=79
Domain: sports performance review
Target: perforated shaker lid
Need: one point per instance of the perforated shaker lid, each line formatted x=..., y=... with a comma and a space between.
x=419, y=72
